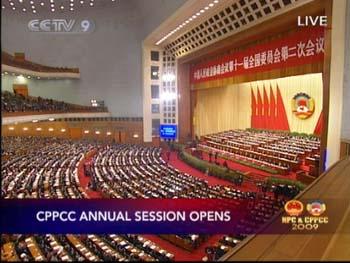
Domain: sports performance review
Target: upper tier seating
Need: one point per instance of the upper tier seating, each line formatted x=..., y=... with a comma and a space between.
x=11, y=102
x=8, y=59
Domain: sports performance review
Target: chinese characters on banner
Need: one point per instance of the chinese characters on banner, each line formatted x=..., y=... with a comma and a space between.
x=303, y=47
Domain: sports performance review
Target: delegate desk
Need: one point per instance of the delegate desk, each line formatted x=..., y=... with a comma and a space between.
x=8, y=252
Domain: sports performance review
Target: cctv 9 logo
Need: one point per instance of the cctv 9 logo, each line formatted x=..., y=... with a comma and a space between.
x=61, y=26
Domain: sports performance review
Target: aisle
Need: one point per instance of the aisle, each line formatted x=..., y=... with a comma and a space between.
x=84, y=180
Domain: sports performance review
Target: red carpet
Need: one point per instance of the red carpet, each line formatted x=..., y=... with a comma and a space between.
x=84, y=180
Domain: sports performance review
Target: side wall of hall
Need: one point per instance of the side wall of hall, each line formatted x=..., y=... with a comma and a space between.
x=109, y=58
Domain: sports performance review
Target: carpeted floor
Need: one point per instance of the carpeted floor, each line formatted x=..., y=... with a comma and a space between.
x=84, y=180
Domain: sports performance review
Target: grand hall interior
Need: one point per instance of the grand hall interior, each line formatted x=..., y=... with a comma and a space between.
x=242, y=100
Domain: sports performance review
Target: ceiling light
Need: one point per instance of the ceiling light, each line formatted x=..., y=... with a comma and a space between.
x=13, y=8
x=11, y=3
x=216, y=1
x=42, y=4
x=97, y=132
x=135, y=135
x=72, y=0
x=50, y=129
x=28, y=77
x=37, y=77
x=34, y=11
x=206, y=8
x=167, y=96
x=38, y=129
x=34, y=121
x=81, y=2
x=71, y=4
x=52, y=5
x=51, y=119
x=62, y=7
x=91, y=4
x=31, y=2
x=198, y=14
x=33, y=7
x=211, y=5
x=63, y=130
x=109, y=133
x=202, y=11
x=21, y=78
x=53, y=9
x=71, y=9
x=24, y=9
x=25, y=128
x=6, y=73
x=11, y=128
x=194, y=16
x=168, y=77
x=86, y=131
x=21, y=1
x=51, y=1
x=3, y=7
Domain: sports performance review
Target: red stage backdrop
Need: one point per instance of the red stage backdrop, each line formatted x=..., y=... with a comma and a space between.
x=304, y=47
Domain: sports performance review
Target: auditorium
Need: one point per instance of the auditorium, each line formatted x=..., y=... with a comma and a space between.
x=182, y=130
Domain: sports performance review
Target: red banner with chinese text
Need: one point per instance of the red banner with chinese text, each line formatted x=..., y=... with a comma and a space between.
x=304, y=47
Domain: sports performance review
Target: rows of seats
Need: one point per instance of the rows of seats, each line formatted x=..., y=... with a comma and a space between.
x=47, y=172
x=260, y=212
x=280, y=151
x=11, y=102
x=48, y=168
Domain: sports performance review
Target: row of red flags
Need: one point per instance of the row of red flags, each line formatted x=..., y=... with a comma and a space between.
x=269, y=115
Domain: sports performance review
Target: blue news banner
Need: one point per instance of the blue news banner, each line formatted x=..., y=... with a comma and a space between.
x=121, y=216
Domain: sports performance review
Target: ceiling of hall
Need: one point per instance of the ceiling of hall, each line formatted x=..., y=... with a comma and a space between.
x=54, y=6
x=224, y=18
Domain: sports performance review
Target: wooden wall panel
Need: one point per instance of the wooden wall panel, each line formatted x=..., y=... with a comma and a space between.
x=344, y=149
x=75, y=133
x=122, y=136
x=132, y=131
x=184, y=109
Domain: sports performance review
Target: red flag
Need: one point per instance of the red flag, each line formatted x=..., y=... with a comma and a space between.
x=253, y=117
x=266, y=111
x=260, y=111
x=281, y=120
x=319, y=126
x=272, y=116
